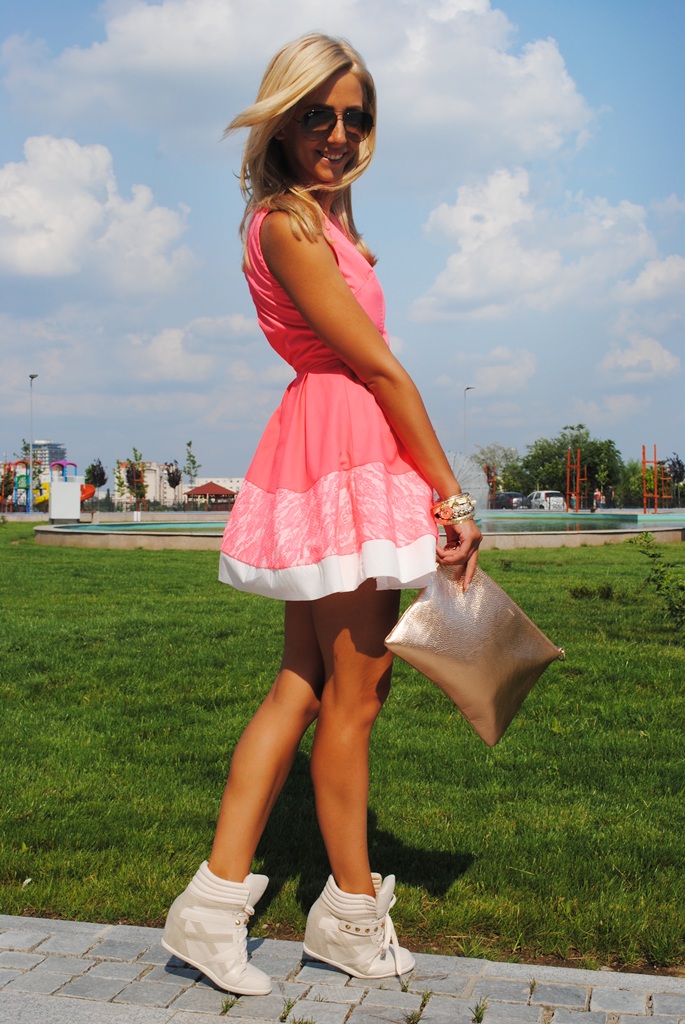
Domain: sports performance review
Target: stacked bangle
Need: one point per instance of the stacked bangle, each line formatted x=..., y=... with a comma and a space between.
x=452, y=511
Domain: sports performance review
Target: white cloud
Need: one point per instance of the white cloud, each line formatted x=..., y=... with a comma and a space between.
x=612, y=408
x=658, y=279
x=507, y=370
x=176, y=68
x=641, y=359
x=513, y=254
x=61, y=215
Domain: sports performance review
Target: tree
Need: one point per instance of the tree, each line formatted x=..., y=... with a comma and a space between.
x=174, y=474
x=629, y=486
x=192, y=467
x=506, y=461
x=676, y=471
x=134, y=474
x=96, y=474
x=544, y=465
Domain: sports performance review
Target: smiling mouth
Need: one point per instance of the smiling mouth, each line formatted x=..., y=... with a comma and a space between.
x=334, y=158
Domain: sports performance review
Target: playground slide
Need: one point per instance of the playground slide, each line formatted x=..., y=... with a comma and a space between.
x=42, y=496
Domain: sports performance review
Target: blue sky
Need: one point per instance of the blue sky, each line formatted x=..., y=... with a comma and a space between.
x=527, y=205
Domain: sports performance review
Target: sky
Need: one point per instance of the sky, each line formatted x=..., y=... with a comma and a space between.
x=526, y=204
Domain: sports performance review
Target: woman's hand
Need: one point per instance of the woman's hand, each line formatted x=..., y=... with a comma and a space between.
x=461, y=548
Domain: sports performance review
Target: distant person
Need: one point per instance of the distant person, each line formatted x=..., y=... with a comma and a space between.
x=597, y=503
x=335, y=517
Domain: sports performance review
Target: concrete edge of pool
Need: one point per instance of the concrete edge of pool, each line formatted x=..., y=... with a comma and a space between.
x=116, y=533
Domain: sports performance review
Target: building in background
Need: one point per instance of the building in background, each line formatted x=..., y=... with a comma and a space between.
x=47, y=452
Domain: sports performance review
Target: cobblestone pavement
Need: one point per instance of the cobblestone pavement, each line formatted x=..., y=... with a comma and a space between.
x=62, y=972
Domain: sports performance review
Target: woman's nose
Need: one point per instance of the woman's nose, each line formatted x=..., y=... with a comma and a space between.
x=338, y=133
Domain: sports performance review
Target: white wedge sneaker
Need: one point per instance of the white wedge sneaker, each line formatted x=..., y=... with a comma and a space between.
x=355, y=933
x=207, y=928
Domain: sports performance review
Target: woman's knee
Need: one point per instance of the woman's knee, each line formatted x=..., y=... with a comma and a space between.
x=293, y=697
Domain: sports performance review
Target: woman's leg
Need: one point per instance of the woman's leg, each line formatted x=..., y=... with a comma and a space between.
x=267, y=748
x=350, y=629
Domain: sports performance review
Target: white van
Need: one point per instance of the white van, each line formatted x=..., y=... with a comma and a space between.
x=552, y=501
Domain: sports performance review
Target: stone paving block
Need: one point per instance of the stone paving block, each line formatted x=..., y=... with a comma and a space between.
x=376, y=1015
x=74, y=943
x=277, y=967
x=513, y=1013
x=202, y=999
x=428, y=962
x=44, y=983
x=663, y=1003
x=618, y=1001
x=333, y=994
x=16, y=1009
x=446, y=984
x=275, y=947
x=629, y=1019
x=118, y=949
x=135, y=933
x=71, y=965
x=23, y=938
x=22, y=961
x=316, y=973
x=172, y=973
x=447, y=1010
x=157, y=954
x=385, y=983
x=406, y=1001
x=188, y=1017
x=90, y=987
x=267, y=1007
x=573, y=1017
x=118, y=970
x=570, y=996
x=496, y=991
x=150, y=993
x=319, y=1013
x=7, y=975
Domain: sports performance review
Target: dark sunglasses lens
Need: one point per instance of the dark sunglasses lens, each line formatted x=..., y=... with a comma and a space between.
x=318, y=123
x=358, y=123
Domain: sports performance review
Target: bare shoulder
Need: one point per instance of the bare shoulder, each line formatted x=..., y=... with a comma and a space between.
x=281, y=247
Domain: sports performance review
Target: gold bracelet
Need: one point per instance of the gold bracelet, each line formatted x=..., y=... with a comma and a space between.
x=457, y=509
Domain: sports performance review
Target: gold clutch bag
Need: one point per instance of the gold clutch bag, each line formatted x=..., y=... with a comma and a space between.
x=479, y=647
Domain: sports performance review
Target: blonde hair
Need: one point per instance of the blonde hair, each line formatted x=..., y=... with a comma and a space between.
x=265, y=178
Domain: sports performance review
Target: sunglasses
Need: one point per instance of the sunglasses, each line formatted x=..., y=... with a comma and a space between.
x=319, y=123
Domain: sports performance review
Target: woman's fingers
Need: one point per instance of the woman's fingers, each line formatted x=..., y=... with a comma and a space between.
x=461, y=548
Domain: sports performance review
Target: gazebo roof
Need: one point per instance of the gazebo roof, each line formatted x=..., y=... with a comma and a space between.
x=208, y=489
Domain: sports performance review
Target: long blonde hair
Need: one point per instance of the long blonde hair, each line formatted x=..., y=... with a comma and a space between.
x=265, y=178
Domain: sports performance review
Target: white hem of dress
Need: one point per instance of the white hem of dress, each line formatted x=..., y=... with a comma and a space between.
x=393, y=568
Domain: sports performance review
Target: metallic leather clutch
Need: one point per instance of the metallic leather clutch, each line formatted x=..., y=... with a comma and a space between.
x=479, y=647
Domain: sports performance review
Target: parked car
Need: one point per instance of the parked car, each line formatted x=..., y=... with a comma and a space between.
x=511, y=499
x=552, y=501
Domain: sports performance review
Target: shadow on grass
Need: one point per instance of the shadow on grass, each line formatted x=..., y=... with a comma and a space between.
x=292, y=846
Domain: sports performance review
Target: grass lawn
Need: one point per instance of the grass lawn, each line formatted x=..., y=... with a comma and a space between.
x=126, y=678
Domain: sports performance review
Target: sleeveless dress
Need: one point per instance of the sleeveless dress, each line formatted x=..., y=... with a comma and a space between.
x=331, y=497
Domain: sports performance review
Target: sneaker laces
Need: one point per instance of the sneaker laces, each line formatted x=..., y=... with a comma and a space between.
x=388, y=940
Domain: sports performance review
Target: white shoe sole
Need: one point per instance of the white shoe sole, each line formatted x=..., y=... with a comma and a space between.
x=245, y=990
x=351, y=970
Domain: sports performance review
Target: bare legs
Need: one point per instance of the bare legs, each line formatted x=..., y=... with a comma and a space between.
x=335, y=666
x=350, y=629
x=267, y=748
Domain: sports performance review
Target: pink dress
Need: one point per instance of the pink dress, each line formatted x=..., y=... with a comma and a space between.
x=331, y=497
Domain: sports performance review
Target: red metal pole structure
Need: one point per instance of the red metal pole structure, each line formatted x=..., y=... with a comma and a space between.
x=654, y=493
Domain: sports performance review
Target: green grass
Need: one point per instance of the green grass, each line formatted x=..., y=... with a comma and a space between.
x=126, y=678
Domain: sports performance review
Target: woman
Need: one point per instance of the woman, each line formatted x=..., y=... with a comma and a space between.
x=335, y=517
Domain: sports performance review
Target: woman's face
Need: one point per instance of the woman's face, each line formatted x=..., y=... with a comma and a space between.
x=323, y=160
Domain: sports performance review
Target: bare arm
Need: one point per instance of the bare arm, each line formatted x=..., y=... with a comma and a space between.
x=308, y=273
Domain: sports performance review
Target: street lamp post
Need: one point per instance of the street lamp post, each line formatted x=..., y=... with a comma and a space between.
x=470, y=388
x=29, y=493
